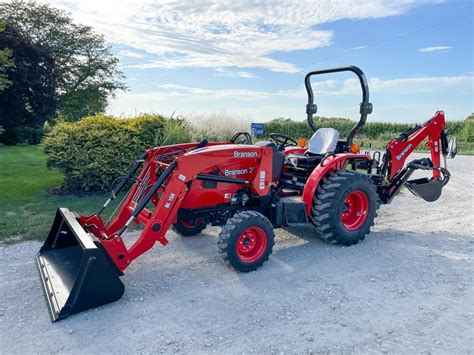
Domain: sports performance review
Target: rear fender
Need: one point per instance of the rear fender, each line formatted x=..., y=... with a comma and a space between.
x=329, y=165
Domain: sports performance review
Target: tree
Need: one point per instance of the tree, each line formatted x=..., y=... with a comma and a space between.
x=87, y=71
x=466, y=133
x=29, y=101
x=5, y=62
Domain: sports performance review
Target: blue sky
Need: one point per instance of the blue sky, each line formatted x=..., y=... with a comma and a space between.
x=249, y=58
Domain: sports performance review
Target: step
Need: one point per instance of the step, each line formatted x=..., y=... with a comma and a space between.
x=294, y=211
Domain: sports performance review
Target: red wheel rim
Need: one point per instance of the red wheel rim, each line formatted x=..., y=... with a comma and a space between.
x=185, y=224
x=355, y=210
x=251, y=244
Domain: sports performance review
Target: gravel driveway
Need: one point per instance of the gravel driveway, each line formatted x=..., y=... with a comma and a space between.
x=408, y=288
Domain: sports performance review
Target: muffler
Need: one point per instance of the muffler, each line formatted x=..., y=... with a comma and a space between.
x=76, y=272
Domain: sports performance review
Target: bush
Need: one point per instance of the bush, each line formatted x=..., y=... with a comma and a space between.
x=21, y=135
x=96, y=150
x=176, y=131
x=466, y=133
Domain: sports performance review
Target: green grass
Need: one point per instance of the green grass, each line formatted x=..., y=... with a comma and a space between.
x=26, y=208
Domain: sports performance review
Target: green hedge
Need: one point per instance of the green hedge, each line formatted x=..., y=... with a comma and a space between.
x=466, y=131
x=371, y=130
x=96, y=150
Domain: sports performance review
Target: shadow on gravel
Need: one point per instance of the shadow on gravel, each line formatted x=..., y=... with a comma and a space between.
x=297, y=253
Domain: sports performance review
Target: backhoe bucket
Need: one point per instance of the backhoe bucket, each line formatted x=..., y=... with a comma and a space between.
x=76, y=272
x=428, y=190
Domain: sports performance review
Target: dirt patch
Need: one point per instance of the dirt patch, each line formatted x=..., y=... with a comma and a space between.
x=13, y=239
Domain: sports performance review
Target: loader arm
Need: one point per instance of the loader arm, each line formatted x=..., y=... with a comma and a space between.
x=166, y=190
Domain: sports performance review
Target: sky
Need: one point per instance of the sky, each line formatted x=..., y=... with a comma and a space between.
x=249, y=58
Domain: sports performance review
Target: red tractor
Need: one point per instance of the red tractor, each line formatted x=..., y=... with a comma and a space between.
x=247, y=188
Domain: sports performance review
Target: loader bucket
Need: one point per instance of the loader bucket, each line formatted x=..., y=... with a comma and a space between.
x=428, y=190
x=76, y=272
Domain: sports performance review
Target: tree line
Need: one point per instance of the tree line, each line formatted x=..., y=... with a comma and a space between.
x=51, y=69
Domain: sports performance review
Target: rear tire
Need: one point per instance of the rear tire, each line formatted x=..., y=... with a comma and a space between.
x=246, y=240
x=344, y=207
x=187, y=229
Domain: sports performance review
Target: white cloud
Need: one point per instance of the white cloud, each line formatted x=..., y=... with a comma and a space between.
x=130, y=54
x=321, y=89
x=395, y=100
x=417, y=85
x=435, y=49
x=359, y=47
x=170, y=90
x=223, y=33
x=233, y=74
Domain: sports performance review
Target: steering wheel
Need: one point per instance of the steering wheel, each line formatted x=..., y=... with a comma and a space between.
x=241, y=138
x=282, y=141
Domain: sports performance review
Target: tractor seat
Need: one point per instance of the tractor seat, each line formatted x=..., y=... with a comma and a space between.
x=323, y=141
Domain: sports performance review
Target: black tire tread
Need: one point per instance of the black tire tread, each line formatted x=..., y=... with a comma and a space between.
x=229, y=228
x=187, y=232
x=323, y=203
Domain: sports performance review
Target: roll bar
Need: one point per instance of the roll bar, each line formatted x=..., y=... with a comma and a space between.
x=365, y=105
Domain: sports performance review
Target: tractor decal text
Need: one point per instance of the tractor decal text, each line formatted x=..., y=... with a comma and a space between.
x=404, y=151
x=262, y=180
x=238, y=154
x=170, y=199
x=236, y=172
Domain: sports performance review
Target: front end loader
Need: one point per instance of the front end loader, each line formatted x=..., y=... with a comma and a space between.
x=246, y=188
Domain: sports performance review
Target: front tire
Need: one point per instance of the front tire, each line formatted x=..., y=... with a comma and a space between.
x=188, y=229
x=344, y=207
x=246, y=240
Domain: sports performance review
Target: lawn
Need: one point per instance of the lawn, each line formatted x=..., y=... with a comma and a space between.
x=26, y=207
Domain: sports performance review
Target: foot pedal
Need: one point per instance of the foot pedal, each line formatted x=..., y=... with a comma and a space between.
x=429, y=190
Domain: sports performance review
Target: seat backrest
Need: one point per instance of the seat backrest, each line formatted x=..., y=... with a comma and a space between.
x=323, y=141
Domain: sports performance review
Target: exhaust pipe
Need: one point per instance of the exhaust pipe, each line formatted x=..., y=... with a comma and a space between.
x=75, y=270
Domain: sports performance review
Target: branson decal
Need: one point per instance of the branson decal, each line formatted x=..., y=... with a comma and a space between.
x=238, y=154
x=404, y=151
x=236, y=172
